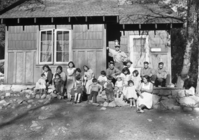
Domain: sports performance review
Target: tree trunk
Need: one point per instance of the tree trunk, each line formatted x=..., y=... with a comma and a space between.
x=190, y=40
x=197, y=88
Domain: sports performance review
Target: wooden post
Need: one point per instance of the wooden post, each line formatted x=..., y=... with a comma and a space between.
x=117, y=19
x=103, y=18
x=69, y=20
x=1, y=21
x=86, y=19
x=35, y=20
x=18, y=20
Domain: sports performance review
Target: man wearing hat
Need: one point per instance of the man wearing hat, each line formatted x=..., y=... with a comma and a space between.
x=118, y=56
x=146, y=70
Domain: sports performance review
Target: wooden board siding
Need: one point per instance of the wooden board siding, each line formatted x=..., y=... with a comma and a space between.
x=22, y=38
x=158, y=39
x=88, y=48
x=10, y=76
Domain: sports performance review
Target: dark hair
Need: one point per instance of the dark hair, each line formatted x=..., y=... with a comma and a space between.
x=136, y=72
x=117, y=46
x=60, y=67
x=94, y=80
x=43, y=75
x=111, y=62
x=71, y=62
x=146, y=62
x=161, y=63
x=130, y=81
x=86, y=67
x=57, y=75
x=146, y=77
x=46, y=66
x=125, y=69
x=129, y=61
x=110, y=77
x=103, y=73
x=78, y=77
x=78, y=70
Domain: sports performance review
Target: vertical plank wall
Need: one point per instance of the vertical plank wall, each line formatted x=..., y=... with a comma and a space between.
x=159, y=40
x=88, y=48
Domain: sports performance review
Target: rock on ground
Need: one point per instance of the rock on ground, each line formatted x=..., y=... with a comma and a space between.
x=190, y=101
x=169, y=103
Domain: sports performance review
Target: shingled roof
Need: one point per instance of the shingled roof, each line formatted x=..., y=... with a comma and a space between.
x=128, y=14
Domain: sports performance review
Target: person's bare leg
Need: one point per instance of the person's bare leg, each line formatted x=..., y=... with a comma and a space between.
x=76, y=96
x=134, y=102
x=79, y=97
x=131, y=102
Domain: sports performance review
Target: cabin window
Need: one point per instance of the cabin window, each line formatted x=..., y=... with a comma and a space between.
x=54, y=46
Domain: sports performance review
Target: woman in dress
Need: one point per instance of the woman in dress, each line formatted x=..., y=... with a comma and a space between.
x=145, y=99
x=88, y=76
x=70, y=78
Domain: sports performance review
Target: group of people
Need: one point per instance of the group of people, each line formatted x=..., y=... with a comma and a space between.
x=118, y=81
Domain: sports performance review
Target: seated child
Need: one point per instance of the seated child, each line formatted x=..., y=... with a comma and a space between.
x=102, y=79
x=109, y=89
x=78, y=89
x=119, y=87
x=130, y=93
x=59, y=86
x=41, y=84
x=94, y=89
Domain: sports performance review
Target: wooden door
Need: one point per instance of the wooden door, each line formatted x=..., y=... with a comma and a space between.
x=139, y=50
x=93, y=58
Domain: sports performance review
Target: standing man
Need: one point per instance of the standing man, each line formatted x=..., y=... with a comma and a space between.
x=147, y=71
x=162, y=76
x=112, y=71
x=118, y=56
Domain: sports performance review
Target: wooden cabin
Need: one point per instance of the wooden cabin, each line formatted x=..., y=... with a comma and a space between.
x=55, y=32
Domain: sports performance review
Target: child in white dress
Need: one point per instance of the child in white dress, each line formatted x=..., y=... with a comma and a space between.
x=131, y=94
x=41, y=84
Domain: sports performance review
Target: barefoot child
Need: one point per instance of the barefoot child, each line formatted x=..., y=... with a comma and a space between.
x=41, y=84
x=109, y=89
x=131, y=94
x=78, y=89
x=94, y=89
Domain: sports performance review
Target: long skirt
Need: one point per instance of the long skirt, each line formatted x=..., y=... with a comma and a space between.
x=88, y=83
x=69, y=86
x=147, y=100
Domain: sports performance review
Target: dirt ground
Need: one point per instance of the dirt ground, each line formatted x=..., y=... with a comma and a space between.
x=60, y=120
